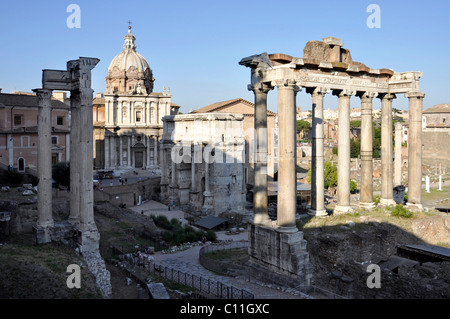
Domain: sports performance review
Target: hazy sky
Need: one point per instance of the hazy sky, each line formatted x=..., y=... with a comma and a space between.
x=194, y=46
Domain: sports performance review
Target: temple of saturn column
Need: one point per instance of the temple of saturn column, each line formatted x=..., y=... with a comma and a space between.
x=326, y=68
x=77, y=80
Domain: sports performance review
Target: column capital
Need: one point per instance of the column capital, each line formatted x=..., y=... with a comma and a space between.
x=366, y=97
x=344, y=92
x=44, y=96
x=387, y=96
x=317, y=91
x=260, y=88
x=418, y=95
x=286, y=84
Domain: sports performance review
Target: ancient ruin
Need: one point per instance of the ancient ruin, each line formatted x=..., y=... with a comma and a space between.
x=326, y=67
x=81, y=226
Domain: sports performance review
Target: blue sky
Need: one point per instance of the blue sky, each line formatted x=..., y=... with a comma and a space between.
x=194, y=46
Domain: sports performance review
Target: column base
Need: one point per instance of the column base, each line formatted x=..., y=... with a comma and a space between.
x=318, y=213
x=387, y=202
x=418, y=207
x=338, y=210
x=279, y=257
x=262, y=220
x=367, y=205
x=87, y=239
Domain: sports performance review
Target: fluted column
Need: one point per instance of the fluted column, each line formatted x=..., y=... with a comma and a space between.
x=148, y=140
x=260, y=199
x=129, y=151
x=317, y=170
x=366, y=189
x=398, y=155
x=287, y=176
x=106, y=145
x=415, y=148
x=45, y=218
x=343, y=169
x=387, y=166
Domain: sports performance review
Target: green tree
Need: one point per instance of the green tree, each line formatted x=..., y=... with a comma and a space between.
x=303, y=125
x=355, y=124
x=355, y=148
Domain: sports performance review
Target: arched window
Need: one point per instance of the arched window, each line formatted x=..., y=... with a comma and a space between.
x=21, y=164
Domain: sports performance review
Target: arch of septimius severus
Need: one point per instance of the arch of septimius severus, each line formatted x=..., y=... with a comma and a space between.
x=327, y=68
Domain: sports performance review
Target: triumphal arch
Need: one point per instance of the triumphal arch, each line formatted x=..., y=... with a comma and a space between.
x=325, y=68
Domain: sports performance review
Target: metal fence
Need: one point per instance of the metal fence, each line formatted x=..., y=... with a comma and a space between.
x=205, y=285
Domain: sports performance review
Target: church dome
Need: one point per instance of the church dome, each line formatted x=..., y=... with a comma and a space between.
x=129, y=69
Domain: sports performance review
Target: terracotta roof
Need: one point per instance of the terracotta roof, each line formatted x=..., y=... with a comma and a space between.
x=439, y=108
x=26, y=100
x=224, y=104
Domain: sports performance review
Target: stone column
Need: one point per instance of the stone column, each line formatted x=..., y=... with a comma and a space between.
x=155, y=152
x=343, y=169
x=398, y=155
x=89, y=240
x=208, y=195
x=366, y=197
x=113, y=150
x=106, y=145
x=387, y=171
x=415, y=148
x=287, y=176
x=317, y=171
x=148, y=139
x=193, y=179
x=120, y=151
x=45, y=218
x=129, y=151
x=260, y=199
x=75, y=131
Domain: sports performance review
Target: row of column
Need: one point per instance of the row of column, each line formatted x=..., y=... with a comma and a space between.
x=111, y=155
x=287, y=183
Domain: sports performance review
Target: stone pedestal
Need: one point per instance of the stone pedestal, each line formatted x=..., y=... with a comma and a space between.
x=208, y=208
x=283, y=254
x=87, y=239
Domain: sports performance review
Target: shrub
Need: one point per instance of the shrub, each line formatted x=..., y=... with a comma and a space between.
x=400, y=211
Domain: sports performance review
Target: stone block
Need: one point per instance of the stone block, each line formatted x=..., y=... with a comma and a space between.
x=157, y=291
x=284, y=254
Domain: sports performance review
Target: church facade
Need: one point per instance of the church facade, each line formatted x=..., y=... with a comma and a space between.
x=128, y=117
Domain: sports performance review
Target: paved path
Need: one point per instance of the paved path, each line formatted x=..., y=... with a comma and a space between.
x=188, y=261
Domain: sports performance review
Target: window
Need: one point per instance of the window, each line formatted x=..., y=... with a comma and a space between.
x=60, y=120
x=54, y=140
x=25, y=141
x=138, y=116
x=18, y=119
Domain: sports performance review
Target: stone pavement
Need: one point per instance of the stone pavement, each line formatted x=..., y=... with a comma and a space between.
x=188, y=261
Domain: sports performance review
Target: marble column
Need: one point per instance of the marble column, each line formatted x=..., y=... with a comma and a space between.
x=83, y=67
x=207, y=194
x=120, y=151
x=106, y=145
x=387, y=166
x=148, y=140
x=366, y=189
x=317, y=170
x=45, y=218
x=129, y=152
x=260, y=199
x=193, y=175
x=287, y=176
x=155, y=151
x=415, y=148
x=398, y=155
x=75, y=147
x=343, y=169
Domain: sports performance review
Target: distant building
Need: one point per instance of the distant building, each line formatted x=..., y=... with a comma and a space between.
x=128, y=117
x=19, y=131
x=247, y=109
x=436, y=136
